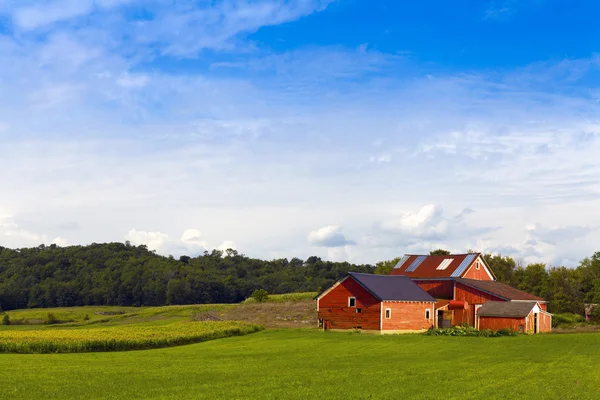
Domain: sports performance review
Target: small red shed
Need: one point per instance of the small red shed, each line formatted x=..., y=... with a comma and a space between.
x=523, y=317
x=384, y=303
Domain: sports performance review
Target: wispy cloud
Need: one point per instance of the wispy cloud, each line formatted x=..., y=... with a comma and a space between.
x=116, y=130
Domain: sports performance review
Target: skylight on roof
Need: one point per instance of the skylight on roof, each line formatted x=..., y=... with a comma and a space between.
x=444, y=264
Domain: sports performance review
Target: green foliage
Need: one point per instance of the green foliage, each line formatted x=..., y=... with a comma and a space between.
x=118, y=274
x=51, y=319
x=566, y=320
x=439, y=252
x=122, y=338
x=469, y=331
x=280, y=298
x=6, y=320
x=260, y=295
x=385, y=267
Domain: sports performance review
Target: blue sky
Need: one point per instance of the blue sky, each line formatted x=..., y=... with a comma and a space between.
x=345, y=129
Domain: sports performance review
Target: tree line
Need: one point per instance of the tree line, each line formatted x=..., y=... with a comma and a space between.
x=124, y=275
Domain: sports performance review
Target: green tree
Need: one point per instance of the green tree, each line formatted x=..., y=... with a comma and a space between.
x=6, y=320
x=439, y=252
x=385, y=267
x=260, y=295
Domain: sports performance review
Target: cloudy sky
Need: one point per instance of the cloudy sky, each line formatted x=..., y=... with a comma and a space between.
x=351, y=129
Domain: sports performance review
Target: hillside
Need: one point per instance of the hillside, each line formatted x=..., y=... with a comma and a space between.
x=119, y=274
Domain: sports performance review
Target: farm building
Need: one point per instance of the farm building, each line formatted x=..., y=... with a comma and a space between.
x=388, y=304
x=524, y=317
x=460, y=284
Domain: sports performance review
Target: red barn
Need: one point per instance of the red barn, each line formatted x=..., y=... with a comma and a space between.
x=388, y=304
x=462, y=283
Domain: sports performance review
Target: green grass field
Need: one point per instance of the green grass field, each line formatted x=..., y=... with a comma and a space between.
x=301, y=364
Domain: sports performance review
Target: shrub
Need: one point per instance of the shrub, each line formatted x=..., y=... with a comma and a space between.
x=469, y=331
x=51, y=319
x=568, y=319
x=6, y=320
x=86, y=318
x=260, y=295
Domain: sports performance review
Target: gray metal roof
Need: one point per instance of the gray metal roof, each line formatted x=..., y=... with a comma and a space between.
x=392, y=287
x=509, y=309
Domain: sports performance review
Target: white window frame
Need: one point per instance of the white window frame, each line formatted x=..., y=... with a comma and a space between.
x=350, y=299
x=427, y=314
x=388, y=313
x=477, y=265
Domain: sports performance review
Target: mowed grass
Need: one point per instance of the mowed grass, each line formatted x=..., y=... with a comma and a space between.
x=305, y=364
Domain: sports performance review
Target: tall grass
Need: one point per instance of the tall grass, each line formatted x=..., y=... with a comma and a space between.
x=130, y=337
x=286, y=297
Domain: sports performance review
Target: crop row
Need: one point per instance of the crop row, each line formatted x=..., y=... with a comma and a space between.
x=130, y=337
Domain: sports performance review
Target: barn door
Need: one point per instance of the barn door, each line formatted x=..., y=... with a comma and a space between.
x=476, y=317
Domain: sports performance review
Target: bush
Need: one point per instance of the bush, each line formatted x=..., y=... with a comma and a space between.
x=470, y=331
x=86, y=318
x=51, y=319
x=6, y=320
x=568, y=319
x=260, y=295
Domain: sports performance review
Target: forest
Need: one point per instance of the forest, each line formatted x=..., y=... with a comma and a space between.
x=125, y=275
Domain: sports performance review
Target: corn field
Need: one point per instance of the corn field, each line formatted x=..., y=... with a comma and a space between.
x=129, y=337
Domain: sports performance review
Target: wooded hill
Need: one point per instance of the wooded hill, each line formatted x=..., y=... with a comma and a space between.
x=125, y=275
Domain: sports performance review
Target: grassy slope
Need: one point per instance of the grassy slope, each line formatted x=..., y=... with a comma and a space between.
x=299, y=364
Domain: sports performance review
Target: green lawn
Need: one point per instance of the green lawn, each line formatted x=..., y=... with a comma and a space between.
x=301, y=364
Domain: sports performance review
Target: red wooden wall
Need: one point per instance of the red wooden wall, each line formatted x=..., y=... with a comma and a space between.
x=497, y=323
x=443, y=289
x=479, y=274
x=545, y=322
x=333, y=307
x=407, y=316
x=472, y=297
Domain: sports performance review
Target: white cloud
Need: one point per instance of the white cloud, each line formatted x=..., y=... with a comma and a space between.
x=427, y=223
x=191, y=242
x=262, y=148
x=329, y=236
x=62, y=242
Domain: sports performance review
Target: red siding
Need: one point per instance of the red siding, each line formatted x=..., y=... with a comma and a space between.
x=407, y=316
x=333, y=307
x=472, y=297
x=439, y=289
x=543, y=306
x=545, y=322
x=497, y=323
x=474, y=273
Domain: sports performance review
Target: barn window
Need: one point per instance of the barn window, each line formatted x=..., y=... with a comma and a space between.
x=427, y=313
x=477, y=265
x=351, y=301
x=359, y=310
x=388, y=313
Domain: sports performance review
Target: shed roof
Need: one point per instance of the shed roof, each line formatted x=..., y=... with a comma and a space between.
x=434, y=266
x=388, y=287
x=507, y=309
x=499, y=289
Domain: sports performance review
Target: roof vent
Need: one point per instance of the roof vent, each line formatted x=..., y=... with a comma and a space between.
x=444, y=264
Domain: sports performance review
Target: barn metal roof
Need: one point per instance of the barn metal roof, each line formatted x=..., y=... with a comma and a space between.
x=498, y=289
x=507, y=309
x=389, y=287
x=428, y=266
